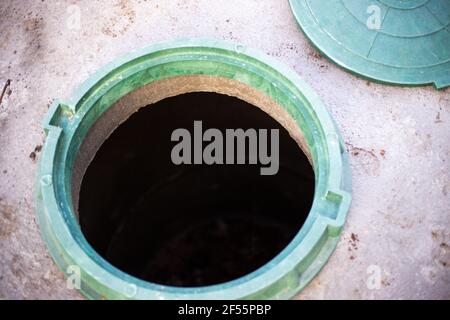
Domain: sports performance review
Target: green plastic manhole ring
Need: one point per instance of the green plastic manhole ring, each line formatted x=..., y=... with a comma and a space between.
x=67, y=124
x=400, y=42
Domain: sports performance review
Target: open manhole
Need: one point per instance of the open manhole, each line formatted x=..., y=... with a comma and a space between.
x=115, y=208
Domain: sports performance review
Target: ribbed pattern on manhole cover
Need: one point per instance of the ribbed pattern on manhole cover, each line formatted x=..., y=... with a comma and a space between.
x=392, y=41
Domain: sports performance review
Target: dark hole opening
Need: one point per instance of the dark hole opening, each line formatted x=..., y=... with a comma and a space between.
x=191, y=225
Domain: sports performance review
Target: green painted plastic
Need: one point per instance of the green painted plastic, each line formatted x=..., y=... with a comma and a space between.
x=68, y=122
x=401, y=42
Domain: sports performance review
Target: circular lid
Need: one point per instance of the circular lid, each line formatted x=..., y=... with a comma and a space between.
x=404, y=42
x=194, y=65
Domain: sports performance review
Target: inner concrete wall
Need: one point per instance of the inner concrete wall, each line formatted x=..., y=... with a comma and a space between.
x=396, y=242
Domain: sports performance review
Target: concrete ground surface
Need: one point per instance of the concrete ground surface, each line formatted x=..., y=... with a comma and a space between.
x=396, y=242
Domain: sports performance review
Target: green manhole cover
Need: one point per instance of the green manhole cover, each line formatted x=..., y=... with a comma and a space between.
x=390, y=41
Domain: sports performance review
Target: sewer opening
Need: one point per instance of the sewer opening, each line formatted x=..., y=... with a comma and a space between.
x=191, y=225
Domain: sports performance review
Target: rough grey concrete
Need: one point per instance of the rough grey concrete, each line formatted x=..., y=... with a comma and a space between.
x=396, y=242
